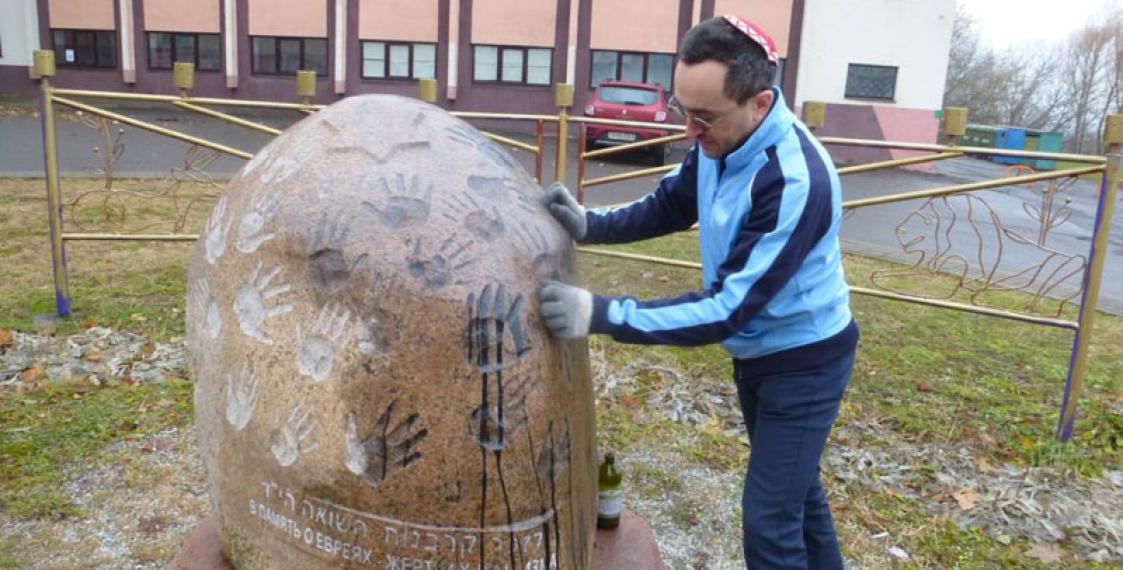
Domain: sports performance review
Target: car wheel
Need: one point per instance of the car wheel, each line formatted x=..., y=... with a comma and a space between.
x=659, y=155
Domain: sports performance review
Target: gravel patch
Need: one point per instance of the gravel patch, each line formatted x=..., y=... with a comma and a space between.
x=139, y=500
x=98, y=355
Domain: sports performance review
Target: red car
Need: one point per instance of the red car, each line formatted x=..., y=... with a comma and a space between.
x=627, y=101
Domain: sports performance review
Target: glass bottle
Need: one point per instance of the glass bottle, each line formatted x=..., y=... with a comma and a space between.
x=610, y=497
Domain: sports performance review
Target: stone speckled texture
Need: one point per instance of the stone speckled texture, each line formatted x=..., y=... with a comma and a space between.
x=374, y=384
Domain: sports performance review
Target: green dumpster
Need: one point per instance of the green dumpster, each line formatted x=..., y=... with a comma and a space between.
x=1042, y=141
x=979, y=136
x=1032, y=140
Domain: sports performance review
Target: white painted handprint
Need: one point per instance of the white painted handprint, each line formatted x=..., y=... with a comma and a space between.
x=203, y=298
x=241, y=397
x=250, y=307
x=317, y=353
x=356, y=460
x=293, y=439
x=217, y=228
x=387, y=450
x=251, y=233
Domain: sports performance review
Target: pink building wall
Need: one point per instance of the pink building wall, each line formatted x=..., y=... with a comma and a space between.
x=626, y=25
x=514, y=22
x=406, y=20
x=302, y=19
x=82, y=14
x=179, y=16
x=914, y=125
x=859, y=121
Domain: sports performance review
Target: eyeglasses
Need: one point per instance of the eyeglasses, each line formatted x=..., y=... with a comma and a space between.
x=705, y=124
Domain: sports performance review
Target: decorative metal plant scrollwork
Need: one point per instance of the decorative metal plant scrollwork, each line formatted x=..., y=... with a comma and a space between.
x=927, y=234
x=111, y=204
x=1048, y=214
x=111, y=149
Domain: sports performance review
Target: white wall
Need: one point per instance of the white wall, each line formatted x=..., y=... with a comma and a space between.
x=19, y=31
x=913, y=35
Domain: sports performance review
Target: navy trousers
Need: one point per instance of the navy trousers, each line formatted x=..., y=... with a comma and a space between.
x=789, y=413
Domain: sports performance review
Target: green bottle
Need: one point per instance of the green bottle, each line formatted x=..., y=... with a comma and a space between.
x=610, y=499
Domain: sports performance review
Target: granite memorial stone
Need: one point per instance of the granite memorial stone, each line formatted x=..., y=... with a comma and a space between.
x=375, y=388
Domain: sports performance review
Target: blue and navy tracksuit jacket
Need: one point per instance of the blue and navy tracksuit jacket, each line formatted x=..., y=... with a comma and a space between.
x=768, y=215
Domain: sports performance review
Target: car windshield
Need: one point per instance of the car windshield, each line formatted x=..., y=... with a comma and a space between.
x=627, y=95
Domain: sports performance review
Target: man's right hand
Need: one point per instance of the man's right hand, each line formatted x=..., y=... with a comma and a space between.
x=566, y=210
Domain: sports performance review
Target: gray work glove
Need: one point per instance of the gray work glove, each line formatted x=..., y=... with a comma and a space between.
x=566, y=210
x=567, y=310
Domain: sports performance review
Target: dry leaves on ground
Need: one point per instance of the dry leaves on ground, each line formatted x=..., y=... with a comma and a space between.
x=1047, y=552
x=966, y=497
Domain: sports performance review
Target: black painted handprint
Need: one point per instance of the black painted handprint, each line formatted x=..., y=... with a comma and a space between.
x=387, y=450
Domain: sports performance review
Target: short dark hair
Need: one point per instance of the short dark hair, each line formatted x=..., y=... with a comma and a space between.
x=715, y=39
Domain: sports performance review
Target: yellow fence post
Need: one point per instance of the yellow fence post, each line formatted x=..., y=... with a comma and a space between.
x=306, y=86
x=563, y=98
x=184, y=76
x=953, y=123
x=814, y=114
x=1109, y=188
x=45, y=69
x=427, y=90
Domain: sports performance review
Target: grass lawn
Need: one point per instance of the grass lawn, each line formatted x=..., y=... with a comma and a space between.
x=1094, y=177
x=924, y=377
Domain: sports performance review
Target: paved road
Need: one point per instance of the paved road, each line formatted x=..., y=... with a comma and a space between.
x=960, y=227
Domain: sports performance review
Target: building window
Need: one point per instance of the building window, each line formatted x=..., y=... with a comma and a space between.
x=871, y=82
x=399, y=60
x=165, y=49
x=85, y=48
x=272, y=55
x=654, y=68
x=512, y=65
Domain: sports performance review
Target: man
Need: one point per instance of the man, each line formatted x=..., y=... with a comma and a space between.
x=767, y=200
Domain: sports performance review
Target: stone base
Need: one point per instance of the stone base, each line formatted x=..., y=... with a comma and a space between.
x=202, y=550
x=631, y=546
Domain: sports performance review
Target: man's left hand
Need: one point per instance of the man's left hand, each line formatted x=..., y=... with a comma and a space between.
x=567, y=310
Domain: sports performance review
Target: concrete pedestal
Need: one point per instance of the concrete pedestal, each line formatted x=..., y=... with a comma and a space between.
x=631, y=546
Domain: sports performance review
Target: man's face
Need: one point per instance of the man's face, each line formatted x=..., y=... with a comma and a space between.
x=700, y=91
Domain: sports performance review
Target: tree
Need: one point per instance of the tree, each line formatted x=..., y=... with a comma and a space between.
x=1091, y=54
x=1068, y=87
x=971, y=69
